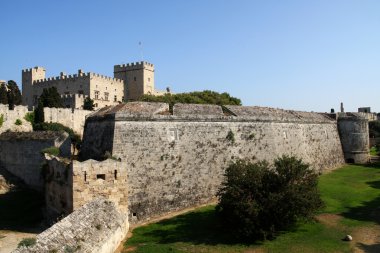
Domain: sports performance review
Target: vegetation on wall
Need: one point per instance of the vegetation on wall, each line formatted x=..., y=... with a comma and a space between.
x=29, y=116
x=196, y=97
x=18, y=122
x=257, y=201
x=1, y=120
x=51, y=151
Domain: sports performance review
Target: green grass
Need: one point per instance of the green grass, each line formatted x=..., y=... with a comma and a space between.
x=351, y=192
x=374, y=151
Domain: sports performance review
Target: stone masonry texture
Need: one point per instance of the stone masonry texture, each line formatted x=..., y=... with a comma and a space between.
x=178, y=161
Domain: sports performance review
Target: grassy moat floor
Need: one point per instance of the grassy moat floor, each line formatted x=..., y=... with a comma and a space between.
x=352, y=198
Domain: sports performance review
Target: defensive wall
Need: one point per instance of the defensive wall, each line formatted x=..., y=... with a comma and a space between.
x=10, y=117
x=71, y=118
x=71, y=184
x=174, y=161
x=97, y=227
x=20, y=153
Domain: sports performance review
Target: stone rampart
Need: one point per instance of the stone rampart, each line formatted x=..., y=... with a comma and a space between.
x=20, y=153
x=97, y=227
x=10, y=117
x=71, y=184
x=178, y=161
x=71, y=118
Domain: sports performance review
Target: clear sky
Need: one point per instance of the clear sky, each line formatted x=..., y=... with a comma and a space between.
x=302, y=55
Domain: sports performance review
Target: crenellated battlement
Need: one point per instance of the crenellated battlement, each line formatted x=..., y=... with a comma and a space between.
x=73, y=77
x=36, y=68
x=73, y=96
x=133, y=66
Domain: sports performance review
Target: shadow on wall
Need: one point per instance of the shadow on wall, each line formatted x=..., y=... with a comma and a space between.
x=21, y=208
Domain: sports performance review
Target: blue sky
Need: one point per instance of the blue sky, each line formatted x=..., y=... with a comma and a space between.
x=302, y=55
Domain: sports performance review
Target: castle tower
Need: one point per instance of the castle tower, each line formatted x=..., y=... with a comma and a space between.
x=354, y=136
x=138, y=79
x=28, y=76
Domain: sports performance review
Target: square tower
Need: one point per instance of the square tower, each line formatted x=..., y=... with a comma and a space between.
x=28, y=77
x=138, y=79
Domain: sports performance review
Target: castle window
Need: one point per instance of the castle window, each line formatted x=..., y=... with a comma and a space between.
x=101, y=176
x=115, y=98
x=85, y=176
x=134, y=79
x=96, y=94
x=115, y=173
x=148, y=79
x=67, y=87
x=106, y=96
x=106, y=88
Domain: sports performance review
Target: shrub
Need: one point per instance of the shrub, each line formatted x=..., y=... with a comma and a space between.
x=1, y=120
x=51, y=151
x=231, y=136
x=29, y=116
x=44, y=126
x=27, y=242
x=18, y=122
x=256, y=201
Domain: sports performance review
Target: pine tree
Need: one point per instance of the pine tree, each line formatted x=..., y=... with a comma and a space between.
x=88, y=104
x=51, y=98
x=39, y=116
x=3, y=94
x=14, y=94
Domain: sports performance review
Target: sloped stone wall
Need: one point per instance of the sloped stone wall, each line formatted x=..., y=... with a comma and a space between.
x=97, y=227
x=178, y=161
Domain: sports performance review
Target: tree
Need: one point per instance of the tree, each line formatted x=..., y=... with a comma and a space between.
x=14, y=94
x=51, y=98
x=257, y=200
x=3, y=94
x=196, y=97
x=88, y=104
x=39, y=116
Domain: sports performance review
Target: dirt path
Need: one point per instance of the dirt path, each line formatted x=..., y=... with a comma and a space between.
x=365, y=239
x=10, y=239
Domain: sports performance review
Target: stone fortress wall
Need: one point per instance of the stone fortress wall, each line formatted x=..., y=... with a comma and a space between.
x=178, y=161
x=20, y=153
x=10, y=117
x=97, y=227
x=74, y=119
x=71, y=184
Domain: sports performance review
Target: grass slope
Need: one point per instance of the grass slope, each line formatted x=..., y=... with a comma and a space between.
x=352, y=199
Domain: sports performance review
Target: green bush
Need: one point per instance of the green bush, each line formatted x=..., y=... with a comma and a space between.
x=29, y=116
x=1, y=120
x=27, y=242
x=230, y=136
x=18, y=122
x=51, y=151
x=75, y=138
x=256, y=200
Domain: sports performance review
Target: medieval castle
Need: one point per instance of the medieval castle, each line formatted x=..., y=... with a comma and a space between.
x=144, y=160
x=130, y=82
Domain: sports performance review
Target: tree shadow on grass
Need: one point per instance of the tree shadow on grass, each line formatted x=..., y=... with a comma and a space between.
x=369, y=210
x=374, y=248
x=200, y=227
